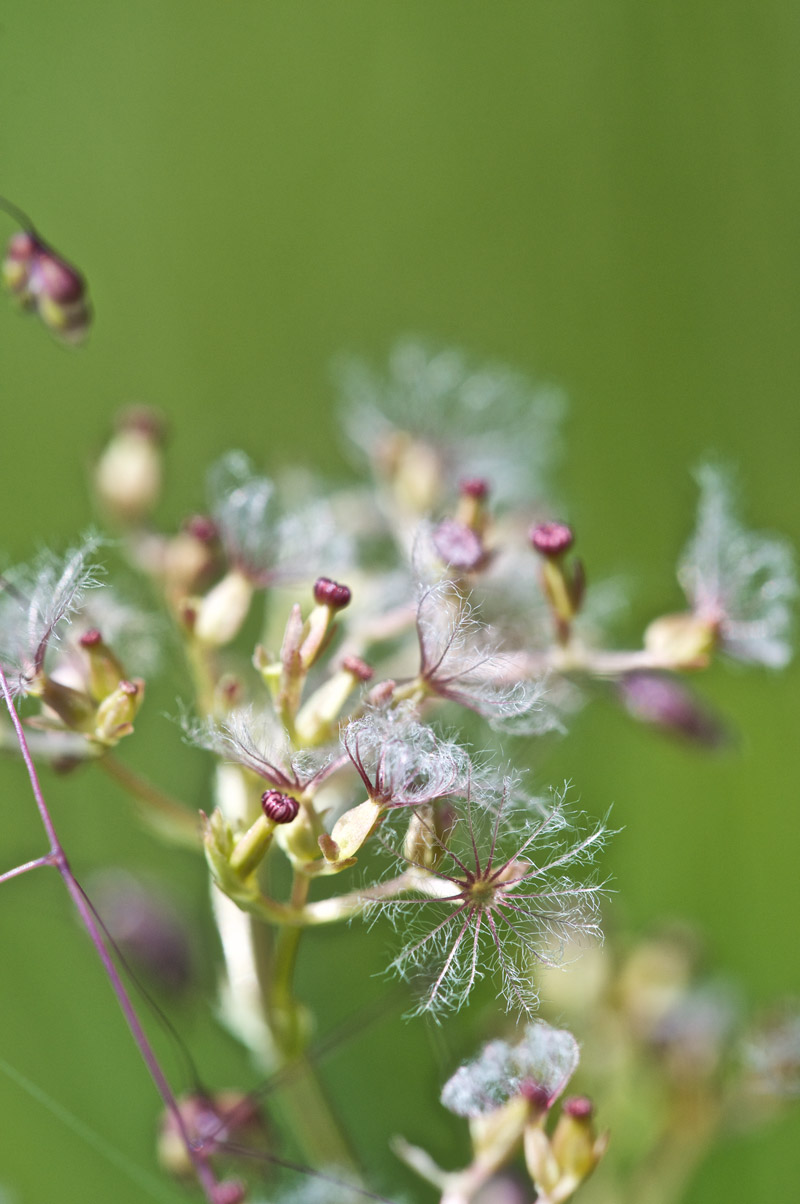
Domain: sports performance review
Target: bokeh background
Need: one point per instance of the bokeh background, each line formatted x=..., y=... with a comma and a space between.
x=604, y=195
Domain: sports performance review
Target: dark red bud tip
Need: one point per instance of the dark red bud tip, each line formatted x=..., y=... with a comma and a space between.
x=358, y=668
x=230, y=1191
x=475, y=487
x=551, y=539
x=280, y=808
x=535, y=1094
x=330, y=593
x=202, y=527
x=91, y=638
x=580, y=1107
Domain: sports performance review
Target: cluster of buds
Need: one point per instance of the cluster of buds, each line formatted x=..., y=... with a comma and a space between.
x=95, y=698
x=43, y=281
x=508, y=1094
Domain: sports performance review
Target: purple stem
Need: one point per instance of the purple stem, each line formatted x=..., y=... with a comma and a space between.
x=58, y=858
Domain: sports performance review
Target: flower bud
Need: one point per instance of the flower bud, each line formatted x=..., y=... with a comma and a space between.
x=210, y=1121
x=459, y=546
x=551, y=539
x=17, y=264
x=663, y=702
x=128, y=474
x=429, y=827
x=472, y=505
x=105, y=671
x=116, y=713
x=280, y=808
x=576, y=1146
x=331, y=593
x=223, y=610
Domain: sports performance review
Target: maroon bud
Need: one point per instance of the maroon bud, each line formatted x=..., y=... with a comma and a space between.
x=57, y=280
x=474, y=487
x=579, y=1107
x=280, y=808
x=330, y=593
x=551, y=539
x=535, y=1094
x=90, y=638
x=664, y=702
x=202, y=527
x=458, y=546
x=358, y=668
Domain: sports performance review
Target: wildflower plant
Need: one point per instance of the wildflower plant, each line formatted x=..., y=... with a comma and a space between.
x=343, y=784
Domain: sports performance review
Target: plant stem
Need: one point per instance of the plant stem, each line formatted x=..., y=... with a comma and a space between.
x=58, y=858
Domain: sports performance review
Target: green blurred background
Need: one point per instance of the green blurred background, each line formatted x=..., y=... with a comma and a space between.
x=605, y=195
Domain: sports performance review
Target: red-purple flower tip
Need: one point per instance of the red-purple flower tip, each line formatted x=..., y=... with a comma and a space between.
x=458, y=546
x=552, y=539
x=130, y=688
x=665, y=702
x=280, y=808
x=474, y=487
x=202, y=527
x=536, y=1095
x=331, y=593
x=90, y=638
x=358, y=668
x=579, y=1107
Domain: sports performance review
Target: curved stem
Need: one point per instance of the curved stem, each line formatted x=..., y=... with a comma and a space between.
x=19, y=215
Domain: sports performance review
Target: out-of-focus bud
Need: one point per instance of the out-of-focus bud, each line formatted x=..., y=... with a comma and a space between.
x=459, y=546
x=223, y=610
x=663, y=702
x=211, y=1122
x=682, y=641
x=429, y=827
x=128, y=474
x=144, y=924
x=576, y=1146
x=20, y=252
x=105, y=671
x=116, y=713
x=473, y=495
x=563, y=587
x=41, y=279
x=654, y=979
x=317, y=716
x=414, y=470
x=551, y=539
